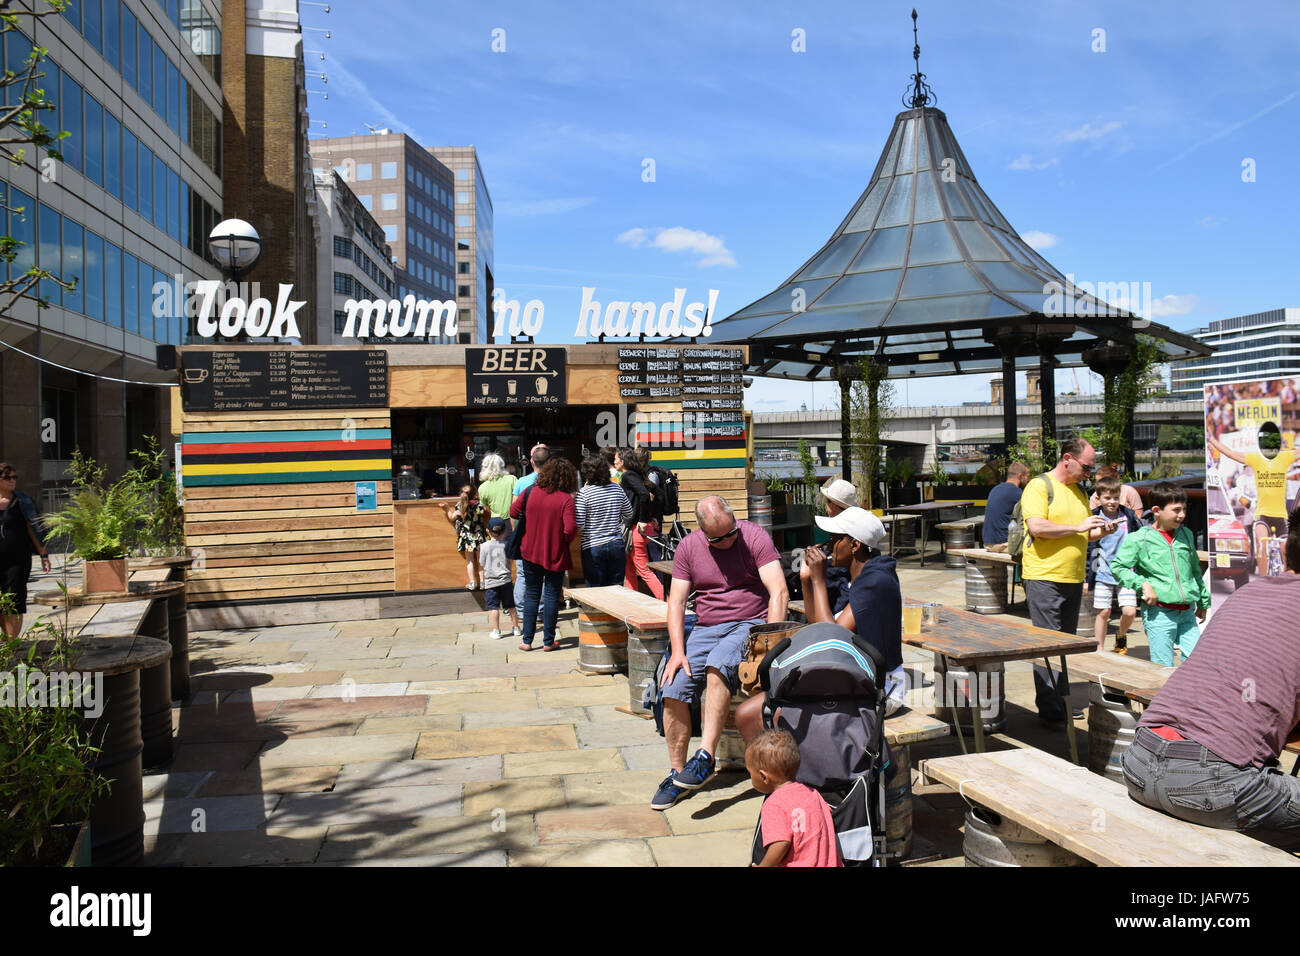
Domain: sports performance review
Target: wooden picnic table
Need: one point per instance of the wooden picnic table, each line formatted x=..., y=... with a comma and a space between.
x=967, y=639
x=925, y=510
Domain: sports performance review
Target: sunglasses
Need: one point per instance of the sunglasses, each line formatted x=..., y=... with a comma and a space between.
x=1087, y=469
x=724, y=537
x=9, y=476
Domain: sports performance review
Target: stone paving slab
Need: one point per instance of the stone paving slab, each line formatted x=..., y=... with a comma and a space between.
x=173, y=784
x=517, y=718
x=582, y=696
x=723, y=848
x=522, y=795
x=262, y=693
x=608, y=789
x=539, y=681
x=729, y=802
x=490, y=702
x=207, y=814
x=652, y=756
x=485, y=858
x=476, y=743
x=537, y=662
x=413, y=773
x=397, y=837
x=631, y=731
x=625, y=853
x=352, y=689
x=244, y=679
x=406, y=706
x=398, y=671
x=366, y=806
x=599, y=823
x=262, y=846
x=401, y=725
x=269, y=780
x=223, y=756
x=313, y=751
x=562, y=762
x=473, y=685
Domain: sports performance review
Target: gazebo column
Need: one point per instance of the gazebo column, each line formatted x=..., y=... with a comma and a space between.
x=1109, y=360
x=846, y=414
x=1047, y=393
x=1010, y=425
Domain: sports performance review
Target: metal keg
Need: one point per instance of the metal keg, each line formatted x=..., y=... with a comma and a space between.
x=905, y=535
x=760, y=510
x=952, y=689
x=898, y=803
x=957, y=536
x=986, y=587
x=602, y=643
x=644, y=649
x=731, y=746
x=1087, y=618
x=994, y=841
x=1112, y=722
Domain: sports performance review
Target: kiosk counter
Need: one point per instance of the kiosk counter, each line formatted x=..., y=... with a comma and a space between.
x=291, y=459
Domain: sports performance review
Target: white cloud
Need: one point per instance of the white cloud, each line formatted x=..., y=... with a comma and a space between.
x=1089, y=133
x=712, y=250
x=1208, y=222
x=1039, y=240
x=1168, y=305
x=543, y=207
x=1024, y=161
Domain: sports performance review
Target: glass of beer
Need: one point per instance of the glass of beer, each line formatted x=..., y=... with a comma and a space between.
x=912, y=618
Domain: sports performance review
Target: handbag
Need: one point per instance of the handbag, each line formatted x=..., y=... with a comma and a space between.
x=762, y=639
x=517, y=533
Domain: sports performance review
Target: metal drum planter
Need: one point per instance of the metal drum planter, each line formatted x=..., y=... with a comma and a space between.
x=644, y=649
x=898, y=803
x=602, y=643
x=986, y=586
x=993, y=841
x=731, y=746
x=952, y=689
x=1112, y=722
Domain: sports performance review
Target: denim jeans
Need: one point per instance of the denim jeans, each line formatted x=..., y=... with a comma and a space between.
x=603, y=564
x=519, y=583
x=1053, y=606
x=541, y=586
x=1212, y=792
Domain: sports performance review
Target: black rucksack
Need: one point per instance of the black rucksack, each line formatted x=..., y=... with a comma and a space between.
x=664, y=488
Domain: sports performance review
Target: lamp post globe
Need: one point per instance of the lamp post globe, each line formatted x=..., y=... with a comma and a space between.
x=236, y=246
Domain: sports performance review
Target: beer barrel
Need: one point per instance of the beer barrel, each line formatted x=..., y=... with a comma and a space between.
x=602, y=643
x=156, y=692
x=986, y=586
x=992, y=840
x=1087, y=618
x=731, y=746
x=760, y=510
x=956, y=535
x=898, y=803
x=952, y=690
x=1112, y=722
x=644, y=649
x=178, y=636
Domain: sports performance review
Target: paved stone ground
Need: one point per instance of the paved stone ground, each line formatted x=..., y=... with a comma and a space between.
x=420, y=741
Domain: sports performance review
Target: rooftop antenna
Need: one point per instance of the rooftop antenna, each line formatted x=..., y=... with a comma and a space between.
x=922, y=95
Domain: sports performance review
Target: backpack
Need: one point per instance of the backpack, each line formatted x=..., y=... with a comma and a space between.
x=1016, y=533
x=664, y=488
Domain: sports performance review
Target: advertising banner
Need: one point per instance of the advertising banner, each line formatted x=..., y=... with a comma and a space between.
x=1252, y=478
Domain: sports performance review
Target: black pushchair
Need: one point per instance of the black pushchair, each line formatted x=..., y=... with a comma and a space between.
x=828, y=684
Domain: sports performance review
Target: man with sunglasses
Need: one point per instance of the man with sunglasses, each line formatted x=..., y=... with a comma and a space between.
x=735, y=571
x=1054, y=561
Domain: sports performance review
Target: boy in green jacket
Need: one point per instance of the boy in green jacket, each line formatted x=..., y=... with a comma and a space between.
x=1160, y=563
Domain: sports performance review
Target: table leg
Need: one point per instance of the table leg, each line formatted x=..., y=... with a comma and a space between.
x=925, y=537
x=956, y=725
x=1069, y=712
x=977, y=710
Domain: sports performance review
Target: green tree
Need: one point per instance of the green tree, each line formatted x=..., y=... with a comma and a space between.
x=25, y=99
x=1124, y=394
x=872, y=404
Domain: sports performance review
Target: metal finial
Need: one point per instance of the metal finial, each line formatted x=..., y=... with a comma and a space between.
x=921, y=94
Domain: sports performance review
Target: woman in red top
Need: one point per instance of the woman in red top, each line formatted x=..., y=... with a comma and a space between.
x=550, y=523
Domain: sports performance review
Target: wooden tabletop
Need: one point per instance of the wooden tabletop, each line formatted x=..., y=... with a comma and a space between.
x=911, y=726
x=139, y=591
x=1119, y=672
x=663, y=567
x=115, y=655
x=153, y=561
x=983, y=554
x=929, y=506
x=1061, y=802
x=632, y=607
x=968, y=638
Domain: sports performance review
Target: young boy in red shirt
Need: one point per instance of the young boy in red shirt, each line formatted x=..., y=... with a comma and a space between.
x=797, y=826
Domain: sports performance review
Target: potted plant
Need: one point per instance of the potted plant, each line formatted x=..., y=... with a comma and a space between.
x=776, y=490
x=899, y=473
x=101, y=522
x=47, y=783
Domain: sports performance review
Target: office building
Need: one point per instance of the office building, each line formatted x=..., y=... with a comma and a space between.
x=474, y=263
x=269, y=181
x=138, y=86
x=1256, y=346
x=355, y=259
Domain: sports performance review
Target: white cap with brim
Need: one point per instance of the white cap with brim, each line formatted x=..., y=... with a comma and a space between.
x=856, y=523
x=841, y=492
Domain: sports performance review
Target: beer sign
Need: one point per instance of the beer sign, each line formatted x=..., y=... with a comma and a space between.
x=515, y=375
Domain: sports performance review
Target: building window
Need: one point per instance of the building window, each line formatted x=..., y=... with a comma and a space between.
x=367, y=202
x=387, y=170
x=462, y=174
x=343, y=247
x=390, y=233
x=462, y=198
x=364, y=172
x=342, y=171
x=462, y=291
x=342, y=283
x=462, y=268
x=462, y=222
x=462, y=245
x=410, y=174
x=388, y=201
x=340, y=321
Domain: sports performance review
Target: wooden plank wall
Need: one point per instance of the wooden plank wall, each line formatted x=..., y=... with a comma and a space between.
x=697, y=478
x=272, y=512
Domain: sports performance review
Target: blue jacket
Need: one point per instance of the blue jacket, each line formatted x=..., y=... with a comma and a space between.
x=28, y=508
x=1095, y=554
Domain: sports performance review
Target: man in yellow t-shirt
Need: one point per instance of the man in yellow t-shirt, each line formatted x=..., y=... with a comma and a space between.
x=1270, y=485
x=1054, y=560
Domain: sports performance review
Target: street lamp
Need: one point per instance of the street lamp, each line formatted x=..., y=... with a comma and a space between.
x=235, y=245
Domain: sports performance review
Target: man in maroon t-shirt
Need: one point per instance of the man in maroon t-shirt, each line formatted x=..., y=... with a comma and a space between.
x=1206, y=749
x=735, y=571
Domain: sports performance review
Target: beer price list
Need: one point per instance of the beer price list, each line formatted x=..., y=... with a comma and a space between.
x=679, y=373
x=225, y=381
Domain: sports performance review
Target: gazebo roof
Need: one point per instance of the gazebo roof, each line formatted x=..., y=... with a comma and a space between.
x=926, y=274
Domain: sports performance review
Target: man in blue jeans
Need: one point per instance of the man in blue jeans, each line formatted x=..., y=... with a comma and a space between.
x=1206, y=749
x=735, y=571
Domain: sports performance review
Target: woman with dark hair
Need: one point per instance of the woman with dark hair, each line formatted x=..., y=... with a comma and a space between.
x=634, y=463
x=602, y=509
x=19, y=540
x=550, y=524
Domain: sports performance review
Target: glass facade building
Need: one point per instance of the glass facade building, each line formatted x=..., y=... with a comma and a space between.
x=1256, y=346
x=474, y=230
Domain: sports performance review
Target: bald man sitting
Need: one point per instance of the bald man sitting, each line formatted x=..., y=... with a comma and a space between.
x=735, y=571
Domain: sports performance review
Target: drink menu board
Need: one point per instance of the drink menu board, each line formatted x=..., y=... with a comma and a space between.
x=230, y=381
x=651, y=372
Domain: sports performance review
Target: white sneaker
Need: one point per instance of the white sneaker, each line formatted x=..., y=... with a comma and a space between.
x=517, y=632
x=495, y=635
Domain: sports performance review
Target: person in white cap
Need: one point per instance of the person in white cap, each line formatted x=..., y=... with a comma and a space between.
x=875, y=604
x=838, y=495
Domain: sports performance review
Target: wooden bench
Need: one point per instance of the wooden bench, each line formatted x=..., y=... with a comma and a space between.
x=1091, y=816
x=644, y=635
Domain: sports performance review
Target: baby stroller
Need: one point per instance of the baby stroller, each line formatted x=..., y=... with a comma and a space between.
x=828, y=684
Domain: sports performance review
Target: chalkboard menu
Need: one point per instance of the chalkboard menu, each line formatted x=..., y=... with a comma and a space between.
x=259, y=380
x=675, y=373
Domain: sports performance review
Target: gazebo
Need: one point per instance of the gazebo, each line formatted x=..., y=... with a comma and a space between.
x=927, y=277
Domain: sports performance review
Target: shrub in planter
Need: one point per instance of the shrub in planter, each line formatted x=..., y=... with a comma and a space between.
x=46, y=784
x=101, y=521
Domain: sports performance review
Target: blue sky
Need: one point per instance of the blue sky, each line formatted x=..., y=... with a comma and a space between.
x=1123, y=166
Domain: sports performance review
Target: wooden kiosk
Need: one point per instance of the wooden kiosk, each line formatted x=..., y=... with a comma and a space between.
x=289, y=457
